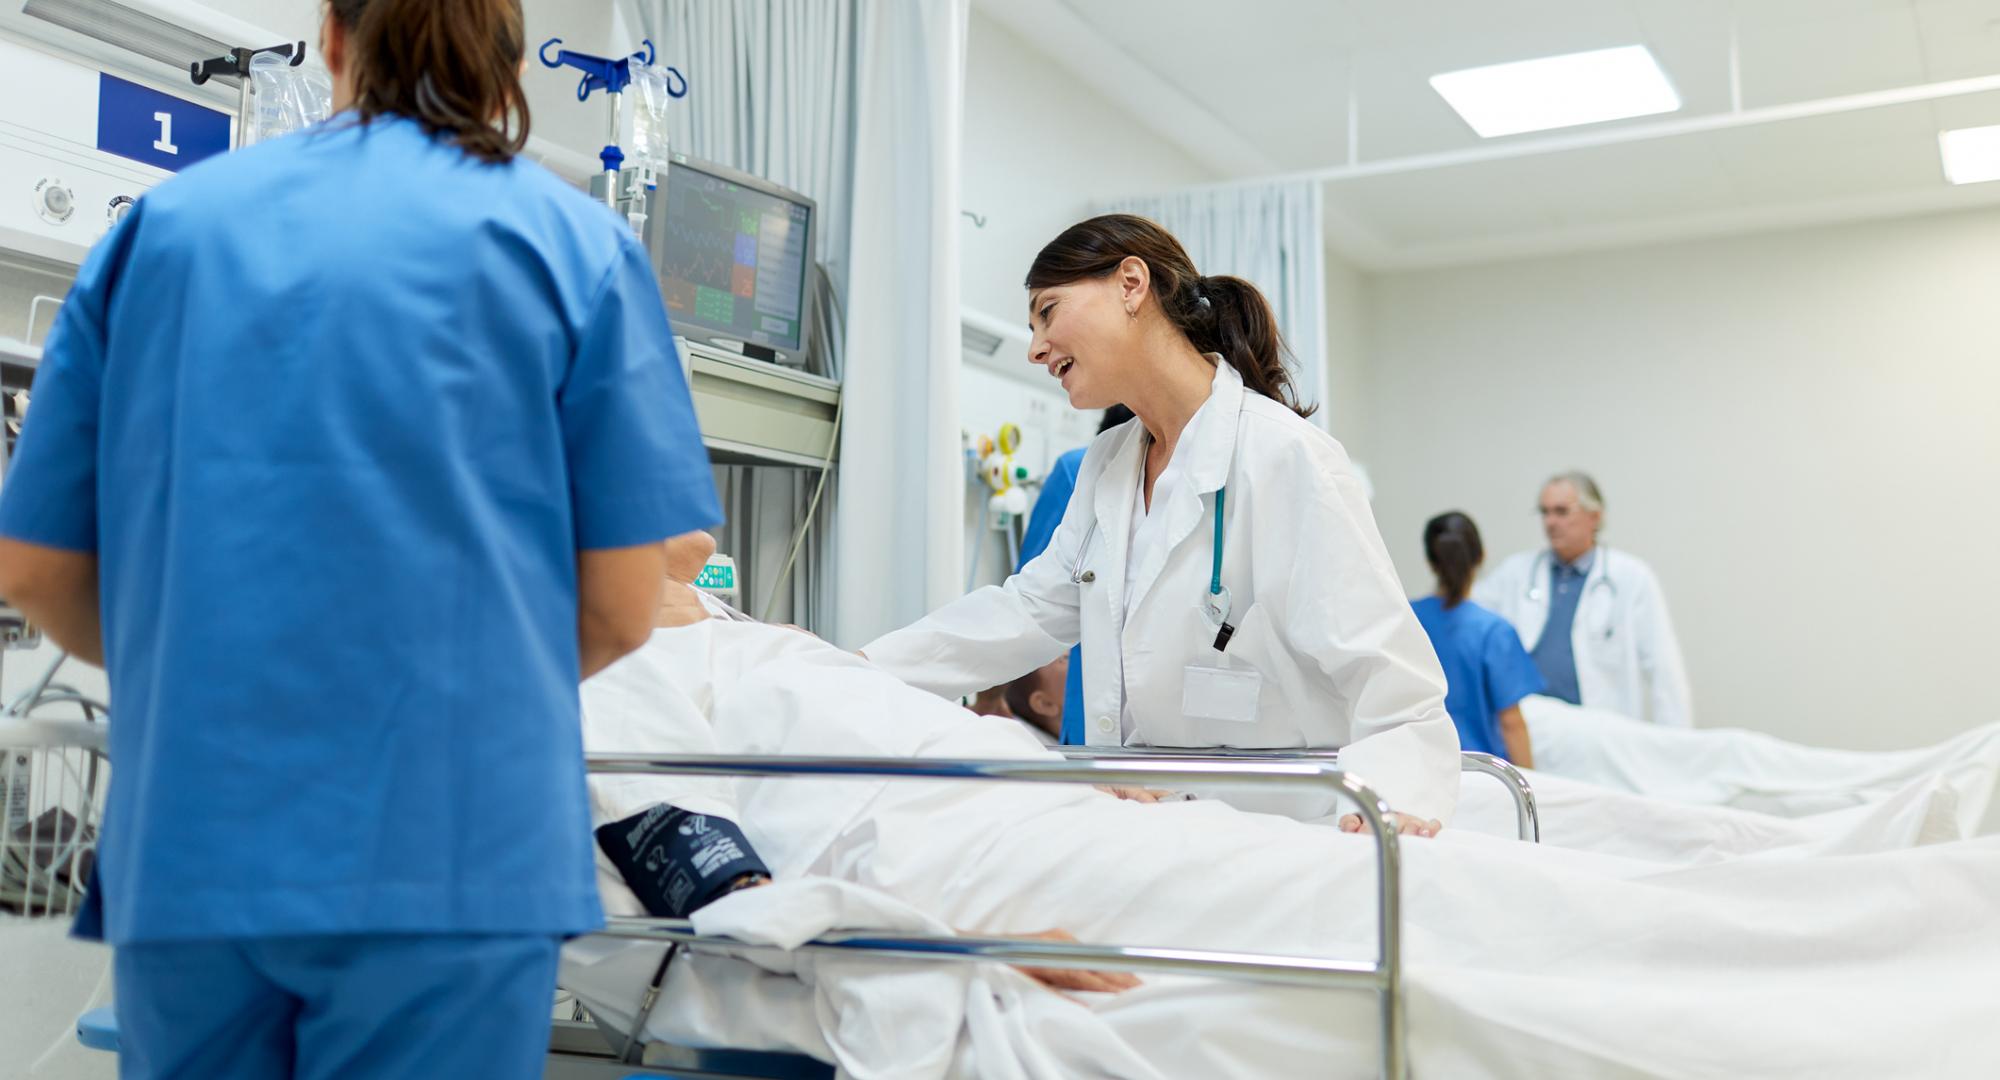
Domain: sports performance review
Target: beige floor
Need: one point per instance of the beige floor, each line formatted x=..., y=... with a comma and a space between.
x=46, y=980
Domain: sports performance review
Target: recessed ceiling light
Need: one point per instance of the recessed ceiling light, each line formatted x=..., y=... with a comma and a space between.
x=1559, y=91
x=1971, y=155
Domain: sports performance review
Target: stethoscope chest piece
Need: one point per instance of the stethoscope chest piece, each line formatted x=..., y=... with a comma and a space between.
x=1215, y=605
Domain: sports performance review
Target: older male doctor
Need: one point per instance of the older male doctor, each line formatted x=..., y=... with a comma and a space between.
x=1595, y=618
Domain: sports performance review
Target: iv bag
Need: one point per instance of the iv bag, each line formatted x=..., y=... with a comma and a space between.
x=288, y=98
x=648, y=91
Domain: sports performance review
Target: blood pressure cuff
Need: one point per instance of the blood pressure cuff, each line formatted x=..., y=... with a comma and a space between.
x=677, y=862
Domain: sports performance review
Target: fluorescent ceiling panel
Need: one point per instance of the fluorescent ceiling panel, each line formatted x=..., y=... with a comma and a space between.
x=1559, y=91
x=1971, y=155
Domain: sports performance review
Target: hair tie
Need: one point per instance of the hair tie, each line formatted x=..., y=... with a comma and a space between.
x=1201, y=299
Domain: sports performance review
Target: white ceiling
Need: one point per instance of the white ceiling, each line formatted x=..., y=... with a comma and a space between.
x=1261, y=87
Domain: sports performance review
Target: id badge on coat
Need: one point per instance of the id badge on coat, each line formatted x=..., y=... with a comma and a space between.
x=1220, y=694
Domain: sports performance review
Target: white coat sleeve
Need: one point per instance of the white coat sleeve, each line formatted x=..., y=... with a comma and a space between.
x=1493, y=591
x=1346, y=609
x=1669, y=699
x=1000, y=632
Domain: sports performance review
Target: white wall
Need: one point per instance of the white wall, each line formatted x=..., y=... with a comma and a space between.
x=1040, y=153
x=1347, y=384
x=1801, y=431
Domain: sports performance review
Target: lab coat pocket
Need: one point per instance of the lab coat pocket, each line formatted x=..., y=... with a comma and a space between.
x=1220, y=694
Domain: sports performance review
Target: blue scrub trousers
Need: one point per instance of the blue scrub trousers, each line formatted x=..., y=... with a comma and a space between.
x=345, y=1006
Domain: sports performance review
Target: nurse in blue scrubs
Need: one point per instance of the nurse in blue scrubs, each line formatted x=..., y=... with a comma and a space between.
x=1050, y=505
x=349, y=455
x=1487, y=672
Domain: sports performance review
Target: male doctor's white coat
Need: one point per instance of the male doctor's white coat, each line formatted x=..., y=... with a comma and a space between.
x=1326, y=652
x=1628, y=660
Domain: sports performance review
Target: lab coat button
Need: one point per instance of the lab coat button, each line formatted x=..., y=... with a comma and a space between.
x=1089, y=576
x=1105, y=725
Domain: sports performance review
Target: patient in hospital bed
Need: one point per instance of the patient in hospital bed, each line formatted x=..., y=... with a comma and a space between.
x=1750, y=770
x=1522, y=960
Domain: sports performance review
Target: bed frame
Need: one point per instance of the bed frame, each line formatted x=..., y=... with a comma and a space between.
x=578, y=1051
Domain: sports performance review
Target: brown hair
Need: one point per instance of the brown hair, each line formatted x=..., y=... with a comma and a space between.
x=1452, y=546
x=453, y=66
x=1220, y=314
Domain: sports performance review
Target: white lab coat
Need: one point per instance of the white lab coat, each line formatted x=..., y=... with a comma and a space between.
x=1325, y=636
x=1628, y=660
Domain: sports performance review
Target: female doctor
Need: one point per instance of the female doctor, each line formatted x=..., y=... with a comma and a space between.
x=1218, y=552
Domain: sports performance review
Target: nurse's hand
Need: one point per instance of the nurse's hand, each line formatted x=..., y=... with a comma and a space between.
x=1405, y=824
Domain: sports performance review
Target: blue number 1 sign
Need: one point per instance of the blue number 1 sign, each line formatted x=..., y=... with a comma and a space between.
x=158, y=129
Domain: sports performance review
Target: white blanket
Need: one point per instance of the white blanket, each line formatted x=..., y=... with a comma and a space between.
x=1586, y=817
x=1523, y=960
x=1748, y=769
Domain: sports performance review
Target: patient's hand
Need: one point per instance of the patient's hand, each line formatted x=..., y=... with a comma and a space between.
x=1104, y=982
x=1134, y=794
x=1405, y=824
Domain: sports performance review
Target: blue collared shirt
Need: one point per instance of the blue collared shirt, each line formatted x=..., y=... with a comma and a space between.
x=1555, y=654
x=335, y=414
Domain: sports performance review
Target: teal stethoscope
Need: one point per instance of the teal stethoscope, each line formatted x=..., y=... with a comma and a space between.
x=1214, y=600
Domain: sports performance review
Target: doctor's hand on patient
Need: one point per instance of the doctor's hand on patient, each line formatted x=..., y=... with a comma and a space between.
x=1405, y=824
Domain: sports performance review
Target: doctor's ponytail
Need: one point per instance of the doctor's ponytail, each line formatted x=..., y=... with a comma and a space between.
x=453, y=66
x=1221, y=314
x=1453, y=548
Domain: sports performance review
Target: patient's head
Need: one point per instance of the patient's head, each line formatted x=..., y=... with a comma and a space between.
x=687, y=554
x=1037, y=697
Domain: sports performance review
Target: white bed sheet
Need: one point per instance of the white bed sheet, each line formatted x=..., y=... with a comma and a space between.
x=1750, y=770
x=1523, y=960
x=1584, y=816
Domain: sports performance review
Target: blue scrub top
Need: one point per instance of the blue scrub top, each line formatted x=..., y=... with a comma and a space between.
x=1486, y=670
x=335, y=413
x=1048, y=513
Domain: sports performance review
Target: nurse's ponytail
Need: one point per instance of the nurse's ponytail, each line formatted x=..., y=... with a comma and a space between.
x=453, y=66
x=1221, y=314
x=1452, y=547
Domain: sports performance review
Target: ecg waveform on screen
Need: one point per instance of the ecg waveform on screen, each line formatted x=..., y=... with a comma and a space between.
x=701, y=240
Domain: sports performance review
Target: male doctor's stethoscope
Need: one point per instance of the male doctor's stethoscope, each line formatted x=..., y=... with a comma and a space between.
x=1538, y=593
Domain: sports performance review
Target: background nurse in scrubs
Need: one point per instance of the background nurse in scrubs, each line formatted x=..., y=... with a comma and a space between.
x=350, y=453
x=1487, y=669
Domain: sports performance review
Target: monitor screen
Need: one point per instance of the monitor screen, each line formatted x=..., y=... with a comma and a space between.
x=733, y=259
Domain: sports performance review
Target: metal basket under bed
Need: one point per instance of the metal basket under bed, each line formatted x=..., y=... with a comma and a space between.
x=54, y=769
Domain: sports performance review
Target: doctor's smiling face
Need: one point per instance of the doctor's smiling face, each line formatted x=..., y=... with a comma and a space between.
x=1570, y=527
x=1086, y=332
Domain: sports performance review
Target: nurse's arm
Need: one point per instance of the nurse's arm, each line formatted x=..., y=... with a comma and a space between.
x=57, y=590
x=617, y=596
x=1514, y=734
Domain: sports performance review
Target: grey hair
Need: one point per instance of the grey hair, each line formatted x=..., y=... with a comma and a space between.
x=1587, y=495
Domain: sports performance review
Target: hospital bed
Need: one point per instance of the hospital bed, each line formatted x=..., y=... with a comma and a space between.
x=1527, y=815
x=579, y=1051
x=582, y=1049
